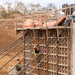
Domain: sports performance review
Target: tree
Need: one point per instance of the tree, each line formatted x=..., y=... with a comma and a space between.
x=20, y=7
x=38, y=7
x=9, y=9
x=51, y=6
x=44, y=9
x=35, y=7
x=3, y=13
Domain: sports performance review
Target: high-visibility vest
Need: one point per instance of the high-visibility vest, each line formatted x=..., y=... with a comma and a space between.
x=18, y=63
x=18, y=66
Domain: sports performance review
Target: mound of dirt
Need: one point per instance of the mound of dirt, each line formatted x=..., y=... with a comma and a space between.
x=8, y=22
x=14, y=16
x=6, y=38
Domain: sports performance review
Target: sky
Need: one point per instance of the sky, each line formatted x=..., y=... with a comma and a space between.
x=44, y=3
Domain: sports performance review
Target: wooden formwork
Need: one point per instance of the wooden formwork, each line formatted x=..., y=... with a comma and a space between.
x=58, y=62
x=58, y=54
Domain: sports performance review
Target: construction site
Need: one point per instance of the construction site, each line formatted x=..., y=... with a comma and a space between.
x=53, y=35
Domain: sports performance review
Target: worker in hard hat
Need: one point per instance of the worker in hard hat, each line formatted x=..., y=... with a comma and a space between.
x=18, y=64
x=36, y=51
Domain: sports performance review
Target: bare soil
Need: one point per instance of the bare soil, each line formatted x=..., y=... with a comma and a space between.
x=6, y=38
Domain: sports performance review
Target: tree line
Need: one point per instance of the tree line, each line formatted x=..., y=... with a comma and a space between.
x=20, y=7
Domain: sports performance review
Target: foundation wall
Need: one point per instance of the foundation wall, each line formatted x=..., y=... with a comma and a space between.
x=58, y=60
x=73, y=48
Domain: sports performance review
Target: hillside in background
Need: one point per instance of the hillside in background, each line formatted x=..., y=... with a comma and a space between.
x=9, y=24
x=7, y=37
x=13, y=16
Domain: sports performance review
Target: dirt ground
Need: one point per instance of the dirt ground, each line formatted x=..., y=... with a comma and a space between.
x=6, y=38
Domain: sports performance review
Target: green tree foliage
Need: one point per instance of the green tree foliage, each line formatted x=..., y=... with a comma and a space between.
x=20, y=7
x=3, y=13
x=35, y=7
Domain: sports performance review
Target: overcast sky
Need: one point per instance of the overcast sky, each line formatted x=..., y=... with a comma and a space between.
x=58, y=3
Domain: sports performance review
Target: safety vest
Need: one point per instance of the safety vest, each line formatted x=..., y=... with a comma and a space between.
x=18, y=66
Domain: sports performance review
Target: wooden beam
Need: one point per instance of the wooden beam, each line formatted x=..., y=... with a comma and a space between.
x=71, y=32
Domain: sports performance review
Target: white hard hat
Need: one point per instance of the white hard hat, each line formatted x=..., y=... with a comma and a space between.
x=35, y=47
x=17, y=59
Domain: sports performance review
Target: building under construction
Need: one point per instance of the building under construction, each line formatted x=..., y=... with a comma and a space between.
x=69, y=9
x=54, y=39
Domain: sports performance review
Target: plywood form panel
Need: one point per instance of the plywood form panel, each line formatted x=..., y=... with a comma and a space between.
x=52, y=58
x=41, y=45
x=43, y=72
x=63, y=54
x=28, y=52
x=35, y=42
x=52, y=67
x=52, y=73
x=52, y=33
x=40, y=71
x=63, y=51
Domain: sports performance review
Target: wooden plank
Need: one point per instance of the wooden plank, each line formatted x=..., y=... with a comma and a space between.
x=71, y=31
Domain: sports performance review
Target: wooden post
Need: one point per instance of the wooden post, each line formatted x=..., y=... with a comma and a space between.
x=65, y=11
x=70, y=10
x=34, y=26
x=16, y=26
x=59, y=13
x=71, y=28
x=47, y=40
x=24, y=47
x=57, y=47
x=68, y=42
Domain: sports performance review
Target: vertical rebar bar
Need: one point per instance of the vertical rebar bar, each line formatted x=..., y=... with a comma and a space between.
x=24, y=47
x=57, y=47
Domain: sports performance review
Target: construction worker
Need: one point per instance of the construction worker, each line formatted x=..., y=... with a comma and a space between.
x=36, y=51
x=18, y=64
